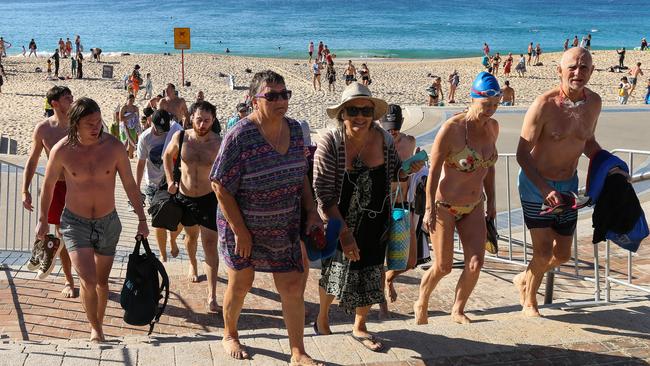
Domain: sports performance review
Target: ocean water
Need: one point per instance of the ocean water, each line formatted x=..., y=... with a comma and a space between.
x=283, y=28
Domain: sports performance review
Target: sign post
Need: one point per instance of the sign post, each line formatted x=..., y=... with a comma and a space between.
x=182, y=42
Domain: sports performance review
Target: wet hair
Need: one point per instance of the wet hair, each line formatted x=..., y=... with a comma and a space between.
x=204, y=106
x=264, y=77
x=507, y=82
x=56, y=92
x=81, y=108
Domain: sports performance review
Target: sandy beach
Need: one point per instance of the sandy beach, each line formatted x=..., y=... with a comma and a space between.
x=397, y=81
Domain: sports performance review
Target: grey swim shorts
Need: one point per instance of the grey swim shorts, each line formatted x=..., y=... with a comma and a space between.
x=101, y=234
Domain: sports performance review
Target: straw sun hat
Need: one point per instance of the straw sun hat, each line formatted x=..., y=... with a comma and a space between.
x=358, y=91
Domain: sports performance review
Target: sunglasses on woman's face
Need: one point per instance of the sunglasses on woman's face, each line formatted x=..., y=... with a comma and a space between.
x=273, y=96
x=365, y=111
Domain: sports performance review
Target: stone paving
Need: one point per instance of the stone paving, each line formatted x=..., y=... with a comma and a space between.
x=38, y=327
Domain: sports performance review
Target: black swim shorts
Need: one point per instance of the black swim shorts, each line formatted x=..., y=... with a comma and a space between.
x=199, y=210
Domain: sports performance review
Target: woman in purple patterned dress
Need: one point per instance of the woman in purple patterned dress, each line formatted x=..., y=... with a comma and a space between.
x=260, y=178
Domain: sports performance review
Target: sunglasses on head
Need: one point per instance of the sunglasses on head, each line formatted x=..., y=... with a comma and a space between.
x=273, y=96
x=487, y=93
x=365, y=111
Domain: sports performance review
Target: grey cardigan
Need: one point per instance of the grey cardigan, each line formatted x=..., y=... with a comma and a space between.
x=329, y=166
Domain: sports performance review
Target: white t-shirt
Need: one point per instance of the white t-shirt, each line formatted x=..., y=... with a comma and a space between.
x=173, y=127
x=150, y=148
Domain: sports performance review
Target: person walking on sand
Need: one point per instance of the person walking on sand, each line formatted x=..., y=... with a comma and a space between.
x=635, y=73
x=310, y=50
x=486, y=49
x=148, y=87
x=32, y=48
x=330, y=75
x=350, y=72
x=198, y=151
x=90, y=225
x=73, y=67
x=507, y=65
x=558, y=128
x=46, y=134
x=453, y=80
x=530, y=53
x=521, y=66
x=538, y=52
x=68, y=48
x=507, y=95
x=461, y=179
x=565, y=46
x=61, y=47
x=316, y=71
x=80, y=69
x=496, y=61
x=575, y=41
x=129, y=125
x=3, y=77
x=175, y=105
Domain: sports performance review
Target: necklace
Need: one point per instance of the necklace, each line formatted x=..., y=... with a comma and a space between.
x=359, y=151
x=275, y=144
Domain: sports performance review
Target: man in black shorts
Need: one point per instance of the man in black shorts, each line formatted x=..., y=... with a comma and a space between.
x=198, y=151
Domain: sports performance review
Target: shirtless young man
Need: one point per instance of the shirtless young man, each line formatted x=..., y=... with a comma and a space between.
x=46, y=135
x=635, y=72
x=129, y=125
x=199, y=150
x=90, y=160
x=405, y=145
x=349, y=73
x=175, y=105
x=558, y=128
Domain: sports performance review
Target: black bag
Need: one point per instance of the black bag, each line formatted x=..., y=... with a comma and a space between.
x=142, y=289
x=165, y=210
x=420, y=199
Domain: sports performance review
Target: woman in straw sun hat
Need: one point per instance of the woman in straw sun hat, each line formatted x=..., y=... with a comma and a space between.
x=354, y=166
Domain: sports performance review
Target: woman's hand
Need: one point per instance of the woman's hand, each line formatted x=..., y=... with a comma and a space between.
x=429, y=220
x=243, y=243
x=313, y=221
x=349, y=245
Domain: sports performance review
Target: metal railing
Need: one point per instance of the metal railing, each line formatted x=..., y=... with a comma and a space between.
x=17, y=224
x=513, y=232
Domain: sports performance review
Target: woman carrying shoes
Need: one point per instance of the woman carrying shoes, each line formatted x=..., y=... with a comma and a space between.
x=462, y=169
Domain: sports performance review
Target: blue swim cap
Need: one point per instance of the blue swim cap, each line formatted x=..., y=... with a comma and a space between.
x=485, y=85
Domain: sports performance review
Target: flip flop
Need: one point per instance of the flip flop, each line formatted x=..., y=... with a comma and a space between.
x=370, y=338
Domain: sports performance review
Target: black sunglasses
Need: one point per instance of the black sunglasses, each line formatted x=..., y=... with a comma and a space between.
x=365, y=111
x=273, y=96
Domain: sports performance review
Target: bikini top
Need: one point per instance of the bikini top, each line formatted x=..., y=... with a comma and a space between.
x=469, y=160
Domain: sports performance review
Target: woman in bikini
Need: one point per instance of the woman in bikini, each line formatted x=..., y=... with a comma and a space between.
x=435, y=92
x=462, y=169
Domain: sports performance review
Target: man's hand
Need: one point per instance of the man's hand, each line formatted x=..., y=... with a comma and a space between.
x=172, y=188
x=243, y=243
x=27, y=201
x=42, y=228
x=143, y=228
x=553, y=198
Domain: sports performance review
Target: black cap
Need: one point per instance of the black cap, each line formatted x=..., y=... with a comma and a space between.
x=161, y=120
x=242, y=107
x=393, y=119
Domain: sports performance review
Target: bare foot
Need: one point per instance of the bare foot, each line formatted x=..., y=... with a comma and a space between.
x=163, y=258
x=321, y=328
x=213, y=306
x=68, y=291
x=174, y=250
x=392, y=294
x=192, y=275
x=421, y=314
x=304, y=360
x=96, y=336
x=520, y=283
x=233, y=348
x=531, y=311
x=460, y=318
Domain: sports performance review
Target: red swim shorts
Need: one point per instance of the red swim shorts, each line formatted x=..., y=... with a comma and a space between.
x=58, y=202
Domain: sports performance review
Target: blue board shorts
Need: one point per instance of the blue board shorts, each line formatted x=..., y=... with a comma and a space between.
x=101, y=234
x=563, y=223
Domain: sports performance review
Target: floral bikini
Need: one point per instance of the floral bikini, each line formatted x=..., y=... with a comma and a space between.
x=467, y=160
